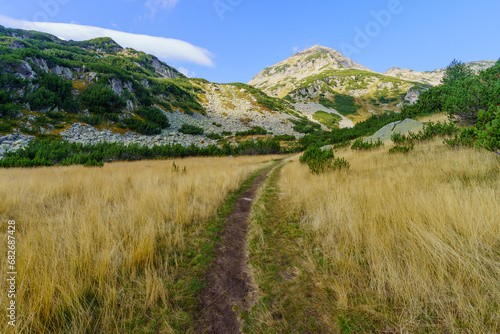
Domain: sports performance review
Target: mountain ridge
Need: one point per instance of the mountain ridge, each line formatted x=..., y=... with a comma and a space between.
x=319, y=74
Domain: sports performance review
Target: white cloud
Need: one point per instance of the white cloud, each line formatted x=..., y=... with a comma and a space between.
x=186, y=72
x=167, y=49
x=155, y=5
x=295, y=49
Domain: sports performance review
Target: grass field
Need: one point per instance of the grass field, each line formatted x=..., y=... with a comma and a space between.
x=408, y=243
x=400, y=243
x=99, y=250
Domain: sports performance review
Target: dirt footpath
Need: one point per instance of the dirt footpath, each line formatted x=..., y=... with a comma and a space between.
x=228, y=283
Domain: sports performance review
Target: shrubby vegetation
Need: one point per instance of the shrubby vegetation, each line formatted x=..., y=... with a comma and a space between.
x=155, y=116
x=50, y=153
x=470, y=99
x=101, y=99
x=303, y=125
x=320, y=161
x=191, y=129
x=327, y=119
x=285, y=138
x=361, y=145
x=144, y=127
x=404, y=143
x=336, y=136
x=344, y=104
x=50, y=91
x=268, y=102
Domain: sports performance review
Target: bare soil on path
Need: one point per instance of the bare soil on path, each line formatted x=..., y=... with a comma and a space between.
x=229, y=284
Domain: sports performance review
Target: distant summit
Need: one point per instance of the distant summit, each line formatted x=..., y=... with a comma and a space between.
x=301, y=65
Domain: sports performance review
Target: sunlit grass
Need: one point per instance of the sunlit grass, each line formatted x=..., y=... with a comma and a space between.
x=412, y=240
x=98, y=248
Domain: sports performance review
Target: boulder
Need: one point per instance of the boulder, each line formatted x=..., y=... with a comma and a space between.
x=403, y=127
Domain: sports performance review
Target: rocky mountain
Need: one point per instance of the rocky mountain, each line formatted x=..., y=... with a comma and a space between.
x=434, y=77
x=323, y=75
x=278, y=80
x=95, y=90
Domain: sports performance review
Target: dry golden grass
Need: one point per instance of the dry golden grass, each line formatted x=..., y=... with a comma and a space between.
x=412, y=240
x=97, y=247
x=439, y=117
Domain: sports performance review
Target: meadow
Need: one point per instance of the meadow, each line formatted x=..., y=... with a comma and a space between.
x=99, y=250
x=398, y=243
x=406, y=243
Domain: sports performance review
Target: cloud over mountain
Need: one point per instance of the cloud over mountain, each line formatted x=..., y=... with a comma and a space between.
x=167, y=49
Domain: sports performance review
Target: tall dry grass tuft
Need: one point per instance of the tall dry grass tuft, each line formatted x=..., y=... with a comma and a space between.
x=97, y=248
x=411, y=239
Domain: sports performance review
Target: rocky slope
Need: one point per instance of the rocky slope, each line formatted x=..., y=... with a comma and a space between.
x=319, y=74
x=323, y=75
x=95, y=90
x=281, y=78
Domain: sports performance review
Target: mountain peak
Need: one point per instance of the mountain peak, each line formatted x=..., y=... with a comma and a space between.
x=303, y=64
x=319, y=48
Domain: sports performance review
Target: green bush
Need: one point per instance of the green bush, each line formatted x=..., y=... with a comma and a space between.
x=101, y=99
x=320, y=161
x=154, y=115
x=401, y=149
x=142, y=127
x=58, y=116
x=57, y=152
x=214, y=136
x=191, y=129
x=53, y=91
x=8, y=108
x=41, y=120
x=304, y=125
x=270, y=103
x=344, y=104
x=327, y=119
x=92, y=120
x=285, y=138
x=361, y=145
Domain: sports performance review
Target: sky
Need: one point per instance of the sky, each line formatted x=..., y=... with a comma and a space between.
x=233, y=40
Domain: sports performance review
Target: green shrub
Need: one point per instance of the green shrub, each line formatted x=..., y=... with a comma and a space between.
x=344, y=104
x=41, y=120
x=320, y=161
x=53, y=91
x=154, y=115
x=6, y=125
x=101, y=99
x=92, y=120
x=142, y=127
x=401, y=149
x=327, y=119
x=214, y=136
x=361, y=145
x=285, y=138
x=57, y=152
x=304, y=125
x=58, y=116
x=191, y=129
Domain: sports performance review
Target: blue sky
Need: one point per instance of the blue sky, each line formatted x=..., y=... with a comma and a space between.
x=232, y=40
